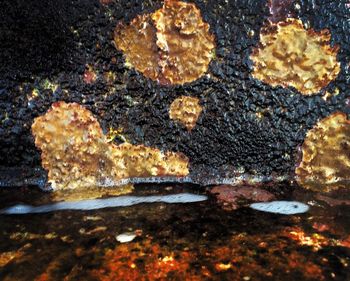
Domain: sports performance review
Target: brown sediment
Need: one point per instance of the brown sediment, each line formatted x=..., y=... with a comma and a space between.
x=8, y=257
x=122, y=263
x=147, y=260
x=332, y=201
x=172, y=46
x=325, y=164
x=185, y=110
x=76, y=153
x=291, y=56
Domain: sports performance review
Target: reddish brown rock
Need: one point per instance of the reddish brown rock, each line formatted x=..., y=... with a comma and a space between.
x=332, y=201
x=233, y=197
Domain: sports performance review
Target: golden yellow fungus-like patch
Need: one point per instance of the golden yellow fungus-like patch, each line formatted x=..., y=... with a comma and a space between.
x=76, y=153
x=185, y=110
x=290, y=55
x=138, y=42
x=325, y=162
x=173, y=45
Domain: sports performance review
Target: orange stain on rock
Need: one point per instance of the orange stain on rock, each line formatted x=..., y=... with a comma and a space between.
x=316, y=241
x=238, y=258
x=172, y=46
x=291, y=56
x=142, y=261
x=89, y=76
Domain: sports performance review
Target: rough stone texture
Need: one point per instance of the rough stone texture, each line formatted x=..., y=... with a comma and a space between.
x=281, y=9
x=246, y=125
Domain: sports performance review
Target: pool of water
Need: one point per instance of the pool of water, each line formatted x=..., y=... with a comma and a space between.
x=192, y=241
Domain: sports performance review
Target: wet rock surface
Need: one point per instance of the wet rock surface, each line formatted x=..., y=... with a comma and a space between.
x=245, y=124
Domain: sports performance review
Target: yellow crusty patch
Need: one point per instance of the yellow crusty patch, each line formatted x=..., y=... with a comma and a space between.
x=185, y=110
x=290, y=55
x=325, y=162
x=138, y=42
x=173, y=45
x=76, y=153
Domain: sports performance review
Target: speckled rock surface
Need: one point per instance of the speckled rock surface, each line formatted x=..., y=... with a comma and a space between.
x=245, y=126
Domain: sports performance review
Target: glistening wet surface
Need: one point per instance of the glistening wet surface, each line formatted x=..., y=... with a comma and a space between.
x=193, y=241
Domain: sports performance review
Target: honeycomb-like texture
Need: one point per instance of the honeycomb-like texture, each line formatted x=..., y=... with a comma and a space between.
x=280, y=9
x=137, y=41
x=184, y=40
x=325, y=162
x=74, y=149
x=175, y=48
x=141, y=161
x=185, y=110
x=76, y=153
x=290, y=55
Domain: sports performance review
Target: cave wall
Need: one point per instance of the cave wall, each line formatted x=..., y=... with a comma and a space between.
x=48, y=48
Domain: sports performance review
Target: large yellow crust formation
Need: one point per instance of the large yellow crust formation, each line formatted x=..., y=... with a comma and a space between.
x=185, y=110
x=76, y=153
x=172, y=45
x=325, y=163
x=290, y=55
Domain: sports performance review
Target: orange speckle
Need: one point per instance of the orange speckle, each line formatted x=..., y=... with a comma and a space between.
x=90, y=76
x=320, y=226
x=345, y=242
x=43, y=277
x=222, y=266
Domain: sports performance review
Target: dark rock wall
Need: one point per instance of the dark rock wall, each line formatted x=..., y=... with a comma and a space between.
x=54, y=41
